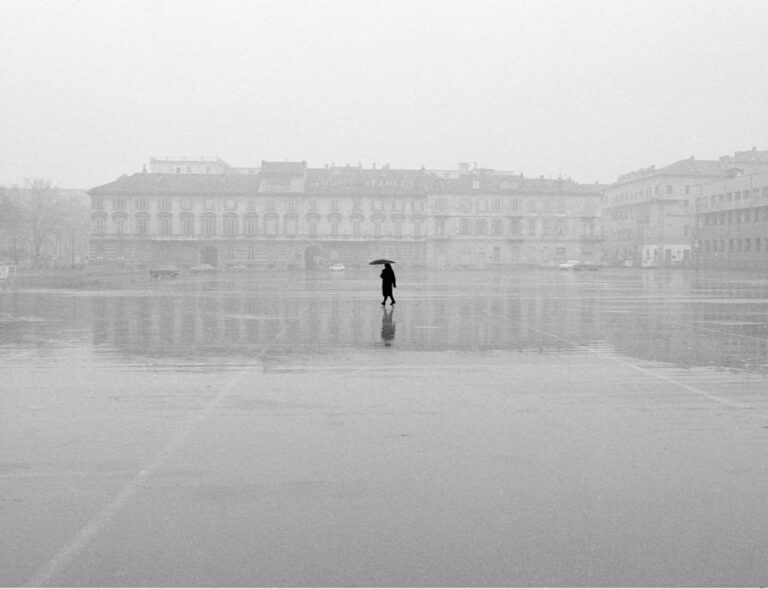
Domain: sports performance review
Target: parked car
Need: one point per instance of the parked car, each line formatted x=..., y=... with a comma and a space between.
x=591, y=265
x=164, y=270
x=571, y=265
x=203, y=268
x=237, y=268
x=337, y=267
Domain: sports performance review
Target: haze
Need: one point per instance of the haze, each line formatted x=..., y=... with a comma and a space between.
x=589, y=90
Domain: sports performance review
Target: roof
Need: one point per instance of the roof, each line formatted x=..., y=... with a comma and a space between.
x=692, y=167
x=180, y=184
x=357, y=180
x=283, y=168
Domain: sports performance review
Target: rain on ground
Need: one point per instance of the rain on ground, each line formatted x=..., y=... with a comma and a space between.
x=493, y=428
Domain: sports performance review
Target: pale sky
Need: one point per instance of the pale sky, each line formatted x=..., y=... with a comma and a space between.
x=89, y=90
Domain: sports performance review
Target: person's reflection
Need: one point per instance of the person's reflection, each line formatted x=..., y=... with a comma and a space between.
x=388, y=326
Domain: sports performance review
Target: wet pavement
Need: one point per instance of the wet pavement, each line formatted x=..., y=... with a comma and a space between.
x=495, y=428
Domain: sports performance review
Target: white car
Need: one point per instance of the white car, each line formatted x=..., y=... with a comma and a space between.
x=337, y=267
x=203, y=268
x=571, y=265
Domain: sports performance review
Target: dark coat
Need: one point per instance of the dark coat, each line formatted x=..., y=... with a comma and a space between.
x=388, y=281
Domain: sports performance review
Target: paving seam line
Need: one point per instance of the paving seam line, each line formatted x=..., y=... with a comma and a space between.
x=84, y=537
x=639, y=369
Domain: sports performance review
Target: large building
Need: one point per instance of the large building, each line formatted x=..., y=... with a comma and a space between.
x=483, y=218
x=732, y=223
x=290, y=215
x=648, y=215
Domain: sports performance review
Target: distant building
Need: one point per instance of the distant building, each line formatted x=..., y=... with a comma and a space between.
x=285, y=216
x=485, y=218
x=199, y=165
x=732, y=223
x=290, y=215
x=648, y=214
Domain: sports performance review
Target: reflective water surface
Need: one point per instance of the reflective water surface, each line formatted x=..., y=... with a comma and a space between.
x=690, y=319
x=506, y=428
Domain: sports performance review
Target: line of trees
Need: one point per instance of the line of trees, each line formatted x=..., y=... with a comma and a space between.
x=42, y=225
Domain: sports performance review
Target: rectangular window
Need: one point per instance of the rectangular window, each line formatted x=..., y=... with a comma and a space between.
x=188, y=225
x=532, y=226
x=464, y=226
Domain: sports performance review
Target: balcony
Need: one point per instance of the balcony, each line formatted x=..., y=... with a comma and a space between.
x=257, y=238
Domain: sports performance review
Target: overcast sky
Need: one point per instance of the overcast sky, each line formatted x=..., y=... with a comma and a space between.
x=89, y=90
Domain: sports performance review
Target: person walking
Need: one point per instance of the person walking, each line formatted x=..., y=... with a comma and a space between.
x=388, y=282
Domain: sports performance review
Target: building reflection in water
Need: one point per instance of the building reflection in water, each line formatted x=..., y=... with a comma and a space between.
x=686, y=332
x=699, y=323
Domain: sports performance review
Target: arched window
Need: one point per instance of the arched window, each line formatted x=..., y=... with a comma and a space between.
x=290, y=224
x=142, y=223
x=187, y=224
x=208, y=224
x=165, y=224
x=120, y=220
x=98, y=224
x=230, y=224
x=251, y=224
x=270, y=224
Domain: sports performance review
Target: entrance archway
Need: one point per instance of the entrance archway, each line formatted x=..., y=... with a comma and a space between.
x=312, y=257
x=209, y=255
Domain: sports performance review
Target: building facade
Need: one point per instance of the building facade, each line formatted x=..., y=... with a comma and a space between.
x=485, y=218
x=731, y=218
x=291, y=215
x=649, y=214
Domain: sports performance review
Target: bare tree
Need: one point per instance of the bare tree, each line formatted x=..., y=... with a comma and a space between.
x=12, y=230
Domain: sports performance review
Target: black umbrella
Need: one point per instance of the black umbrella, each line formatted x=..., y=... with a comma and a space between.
x=381, y=261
